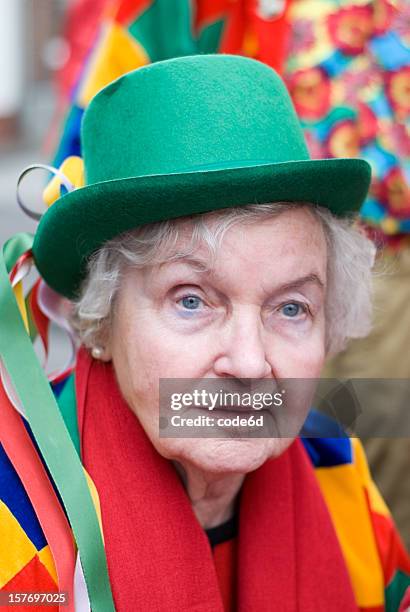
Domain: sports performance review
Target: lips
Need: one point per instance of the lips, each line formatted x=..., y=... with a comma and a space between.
x=231, y=409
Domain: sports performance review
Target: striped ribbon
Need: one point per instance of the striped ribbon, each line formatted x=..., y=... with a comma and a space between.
x=32, y=387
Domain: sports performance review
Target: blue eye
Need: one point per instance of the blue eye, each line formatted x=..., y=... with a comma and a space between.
x=191, y=302
x=291, y=310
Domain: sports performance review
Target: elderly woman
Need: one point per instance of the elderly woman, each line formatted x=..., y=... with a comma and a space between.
x=207, y=246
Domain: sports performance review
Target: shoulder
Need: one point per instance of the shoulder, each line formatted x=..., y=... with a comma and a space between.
x=377, y=562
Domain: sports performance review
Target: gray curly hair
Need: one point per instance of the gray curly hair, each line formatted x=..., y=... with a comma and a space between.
x=351, y=257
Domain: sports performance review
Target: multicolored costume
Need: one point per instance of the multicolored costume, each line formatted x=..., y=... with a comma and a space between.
x=378, y=567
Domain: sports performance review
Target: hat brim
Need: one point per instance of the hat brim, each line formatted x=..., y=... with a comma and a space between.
x=82, y=220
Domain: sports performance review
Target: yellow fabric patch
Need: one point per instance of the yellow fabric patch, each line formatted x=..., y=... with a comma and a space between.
x=19, y=295
x=47, y=560
x=96, y=500
x=343, y=490
x=250, y=43
x=389, y=225
x=16, y=549
x=73, y=169
x=117, y=53
x=376, y=501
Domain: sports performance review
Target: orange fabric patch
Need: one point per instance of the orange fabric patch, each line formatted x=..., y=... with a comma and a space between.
x=33, y=577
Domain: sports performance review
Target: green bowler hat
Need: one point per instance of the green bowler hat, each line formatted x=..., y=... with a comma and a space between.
x=185, y=136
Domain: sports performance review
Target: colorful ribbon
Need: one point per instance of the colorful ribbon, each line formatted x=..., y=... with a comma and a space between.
x=47, y=425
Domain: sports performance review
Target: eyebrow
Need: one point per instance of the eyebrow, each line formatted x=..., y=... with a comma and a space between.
x=200, y=265
x=299, y=282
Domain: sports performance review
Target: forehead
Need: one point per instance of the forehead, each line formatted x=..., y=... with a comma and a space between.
x=288, y=246
x=292, y=231
x=282, y=233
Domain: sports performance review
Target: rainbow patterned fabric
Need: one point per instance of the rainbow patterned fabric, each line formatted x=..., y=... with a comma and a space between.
x=26, y=562
x=348, y=71
x=377, y=563
x=133, y=33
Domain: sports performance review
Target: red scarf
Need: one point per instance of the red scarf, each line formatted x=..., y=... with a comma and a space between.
x=158, y=555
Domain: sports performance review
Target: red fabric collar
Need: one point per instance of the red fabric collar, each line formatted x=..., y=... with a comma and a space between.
x=158, y=555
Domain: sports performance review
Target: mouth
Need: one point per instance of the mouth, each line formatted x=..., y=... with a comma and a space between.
x=231, y=410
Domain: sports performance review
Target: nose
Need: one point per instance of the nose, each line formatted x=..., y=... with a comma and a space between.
x=242, y=351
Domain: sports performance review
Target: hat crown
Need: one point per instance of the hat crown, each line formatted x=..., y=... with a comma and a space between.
x=188, y=114
x=184, y=137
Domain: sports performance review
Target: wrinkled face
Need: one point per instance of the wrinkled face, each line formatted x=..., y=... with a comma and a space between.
x=259, y=313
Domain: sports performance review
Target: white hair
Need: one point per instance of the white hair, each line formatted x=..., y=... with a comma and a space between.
x=351, y=255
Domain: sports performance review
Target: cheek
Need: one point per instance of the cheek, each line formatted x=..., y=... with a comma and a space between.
x=159, y=353
x=133, y=358
x=144, y=352
x=302, y=358
x=310, y=359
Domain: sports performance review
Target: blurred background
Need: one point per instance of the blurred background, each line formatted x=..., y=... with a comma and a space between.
x=32, y=50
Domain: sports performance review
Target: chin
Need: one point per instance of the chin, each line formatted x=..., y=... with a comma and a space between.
x=233, y=456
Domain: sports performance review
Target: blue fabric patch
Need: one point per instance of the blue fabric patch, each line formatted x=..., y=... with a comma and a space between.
x=381, y=107
x=381, y=158
x=13, y=494
x=335, y=63
x=328, y=452
x=372, y=209
x=325, y=441
x=390, y=51
x=58, y=387
x=70, y=143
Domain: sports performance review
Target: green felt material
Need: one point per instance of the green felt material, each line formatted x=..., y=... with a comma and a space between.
x=185, y=136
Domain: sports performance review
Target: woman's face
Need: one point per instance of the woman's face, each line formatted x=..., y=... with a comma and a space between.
x=258, y=314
